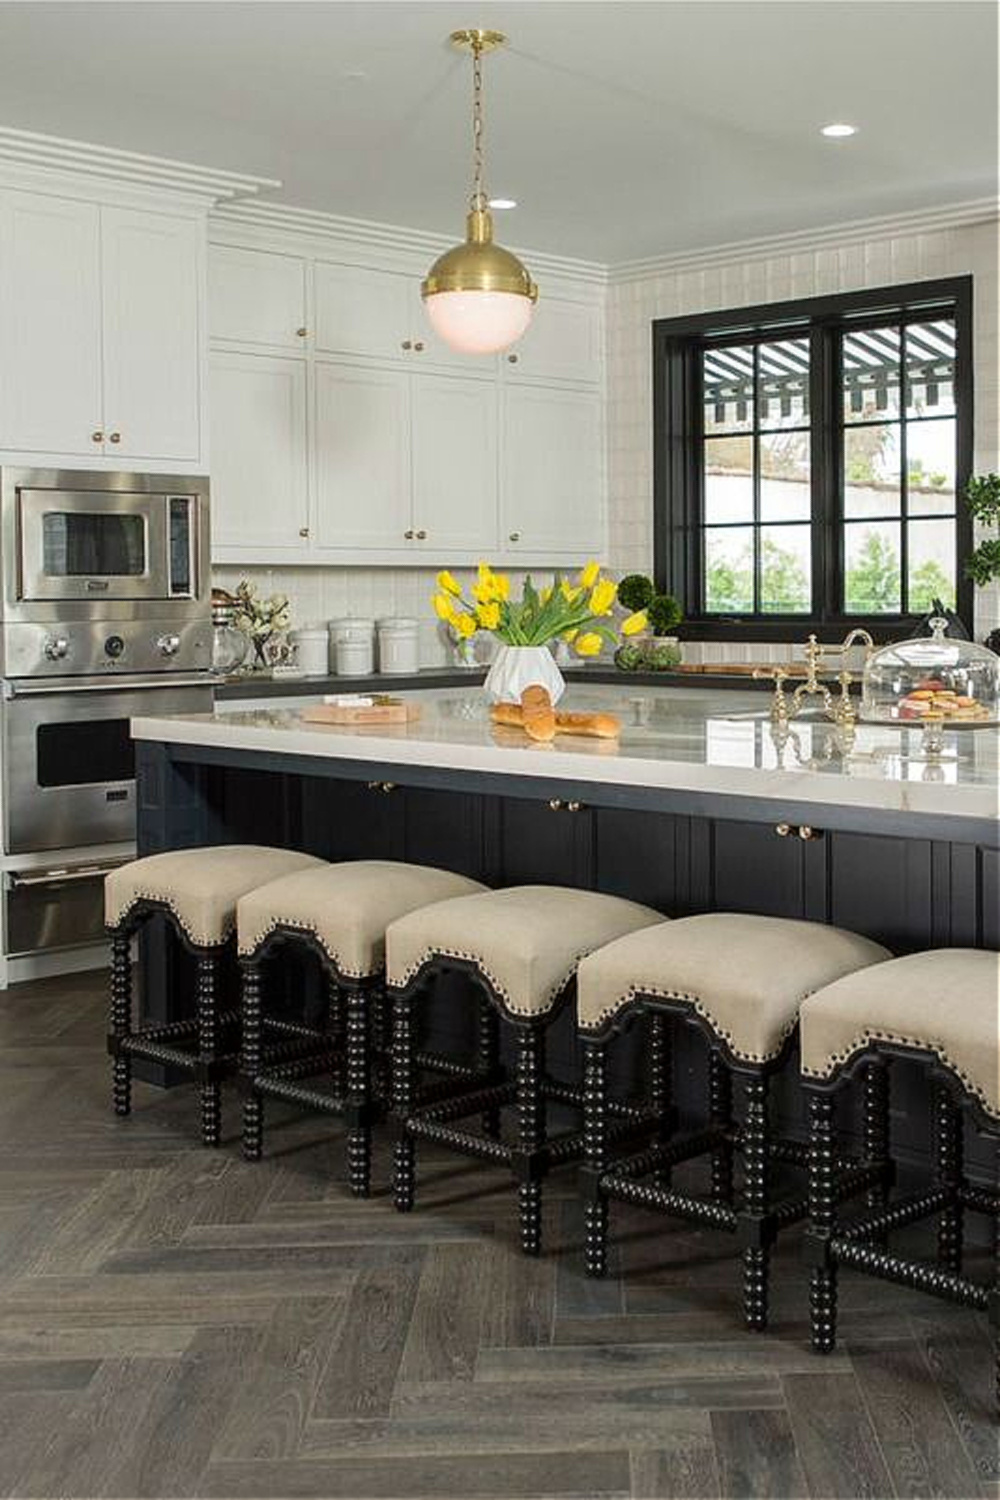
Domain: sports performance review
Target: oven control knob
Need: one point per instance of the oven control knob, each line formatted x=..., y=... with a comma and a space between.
x=114, y=646
x=168, y=645
x=56, y=647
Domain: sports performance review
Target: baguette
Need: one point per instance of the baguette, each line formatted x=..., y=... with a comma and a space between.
x=594, y=726
x=537, y=713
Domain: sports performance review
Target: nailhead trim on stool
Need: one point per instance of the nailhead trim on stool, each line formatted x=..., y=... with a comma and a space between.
x=195, y=891
x=340, y=913
x=520, y=948
x=739, y=980
x=853, y=1027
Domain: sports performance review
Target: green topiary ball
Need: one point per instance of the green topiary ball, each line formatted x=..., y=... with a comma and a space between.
x=664, y=614
x=635, y=592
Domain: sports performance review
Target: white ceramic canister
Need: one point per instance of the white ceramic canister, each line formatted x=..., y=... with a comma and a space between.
x=398, y=646
x=312, y=650
x=353, y=642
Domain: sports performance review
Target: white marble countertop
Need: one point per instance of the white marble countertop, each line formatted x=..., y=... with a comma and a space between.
x=681, y=738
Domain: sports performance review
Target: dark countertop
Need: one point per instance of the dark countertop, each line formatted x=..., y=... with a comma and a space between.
x=262, y=686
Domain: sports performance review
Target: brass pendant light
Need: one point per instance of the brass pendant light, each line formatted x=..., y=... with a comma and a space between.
x=479, y=296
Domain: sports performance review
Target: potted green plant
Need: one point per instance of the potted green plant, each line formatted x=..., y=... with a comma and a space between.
x=656, y=648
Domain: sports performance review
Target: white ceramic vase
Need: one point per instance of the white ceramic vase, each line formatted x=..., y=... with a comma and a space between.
x=518, y=667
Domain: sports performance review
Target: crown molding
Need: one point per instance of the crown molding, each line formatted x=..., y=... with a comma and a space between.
x=804, y=241
x=25, y=148
x=365, y=234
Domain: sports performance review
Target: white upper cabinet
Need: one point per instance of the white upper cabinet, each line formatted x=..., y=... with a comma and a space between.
x=359, y=311
x=50, y=325
x=152, y=402
x=362, y=458
x=101, y=333
x=454, y=457
x=256, y=297
x=258, y=428
x=563, y=342
x=551, y=472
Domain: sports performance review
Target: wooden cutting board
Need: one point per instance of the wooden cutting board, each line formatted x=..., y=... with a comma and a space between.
x=393, y=711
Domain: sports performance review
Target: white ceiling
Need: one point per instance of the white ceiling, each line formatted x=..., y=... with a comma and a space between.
x=623, y=129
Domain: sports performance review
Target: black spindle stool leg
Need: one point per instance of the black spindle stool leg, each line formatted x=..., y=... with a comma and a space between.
x=720, y=1114
x=488, y=1060
x=875, y=1127
x=208, y=1046
x=757, y=1250
x=404, y=1154
x=250, y=1032
x=822, y=1214
x=121, y=1020
x=950, y=1165
x=531, y=1132
x=595, y=1141
x=659, y=1075
x=359, y=1092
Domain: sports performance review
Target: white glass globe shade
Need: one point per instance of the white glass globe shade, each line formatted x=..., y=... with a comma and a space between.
x=479, y=322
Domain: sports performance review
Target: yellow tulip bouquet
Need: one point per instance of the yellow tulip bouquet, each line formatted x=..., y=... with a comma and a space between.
x=575, y=612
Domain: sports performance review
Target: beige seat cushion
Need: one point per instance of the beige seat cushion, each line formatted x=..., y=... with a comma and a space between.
x=746, y=976
x=347, y=907
x=200, y=886
x=526, y=941
x=946, y=1001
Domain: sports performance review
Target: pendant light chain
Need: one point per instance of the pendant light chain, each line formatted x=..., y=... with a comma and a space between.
x=478, y=200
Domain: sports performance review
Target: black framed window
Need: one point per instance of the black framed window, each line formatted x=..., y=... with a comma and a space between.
x=808, y=460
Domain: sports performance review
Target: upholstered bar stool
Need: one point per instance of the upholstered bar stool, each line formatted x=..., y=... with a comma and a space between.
x=340, y=912
x=941, y=1008
x=521, y=947
x=739, y=980
x=196, y=890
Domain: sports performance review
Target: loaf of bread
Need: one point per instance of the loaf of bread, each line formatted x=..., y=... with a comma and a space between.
x=537, y=714
x=594, y=726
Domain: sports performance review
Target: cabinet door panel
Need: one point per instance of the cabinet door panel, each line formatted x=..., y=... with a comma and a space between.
x=444, y=829
x=454, y=462
x=899, y=870
x=362, y=312
x=551, y=471
x=258, y=415
x=256, y=297
x=643, y=857
x=50, y=324
x=754, y=870
x=536, y=841
x=563, y=342
x=350, y=820
x=151, y=334
x=362, y=457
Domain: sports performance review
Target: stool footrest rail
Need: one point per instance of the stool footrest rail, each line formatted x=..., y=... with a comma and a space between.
x=917, y=1274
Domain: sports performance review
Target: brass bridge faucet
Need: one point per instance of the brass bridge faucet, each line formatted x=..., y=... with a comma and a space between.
x=839, y=709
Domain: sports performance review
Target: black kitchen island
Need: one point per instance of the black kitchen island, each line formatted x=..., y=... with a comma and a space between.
x=697, y=808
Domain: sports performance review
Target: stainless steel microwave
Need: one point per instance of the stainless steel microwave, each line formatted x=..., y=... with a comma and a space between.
x=96, y=538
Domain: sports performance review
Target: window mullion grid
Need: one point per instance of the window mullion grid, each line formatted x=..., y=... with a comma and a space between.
x=904, y=483
x=756, y=479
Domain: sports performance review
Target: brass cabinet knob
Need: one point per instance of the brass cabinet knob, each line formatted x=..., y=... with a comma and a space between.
x=301, y=333
x=574, y=807
x=418, y=346
x=381, y=786
x=303, y=531
x=421, y=536
x=97, y=437
x=512, y=359
x=515, y=536
x=806, y=833
x=556, y=804
x=783, y=830
x=388, y=786
x=115, y=437
x=409, y=535
x=406, y=344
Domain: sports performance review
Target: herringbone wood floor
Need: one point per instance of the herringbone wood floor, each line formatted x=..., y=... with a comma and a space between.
x=179, y=1323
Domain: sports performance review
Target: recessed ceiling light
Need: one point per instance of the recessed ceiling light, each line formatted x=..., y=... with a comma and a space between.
x=837, y=132
x=503, y=203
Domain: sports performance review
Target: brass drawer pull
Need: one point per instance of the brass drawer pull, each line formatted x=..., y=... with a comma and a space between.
x=783, y=830
x=793, y=830
x=381, y=786
x=556, y=804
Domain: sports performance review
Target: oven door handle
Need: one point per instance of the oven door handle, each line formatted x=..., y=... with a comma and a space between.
x=59, y=876
x=24, y=688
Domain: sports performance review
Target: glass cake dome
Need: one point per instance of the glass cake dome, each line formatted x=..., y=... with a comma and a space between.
x=932, y=680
